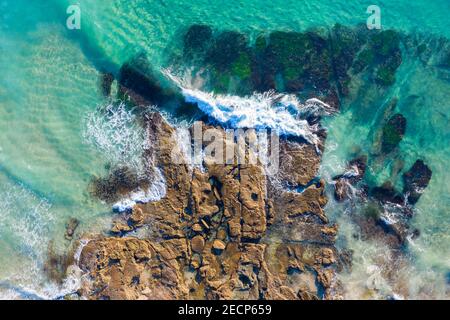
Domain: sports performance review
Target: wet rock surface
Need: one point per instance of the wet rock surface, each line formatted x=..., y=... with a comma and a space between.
x=344, y=182
x=415, y=180
x=223, y=231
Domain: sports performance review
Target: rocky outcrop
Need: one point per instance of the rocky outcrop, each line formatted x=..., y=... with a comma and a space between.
x=344, y=182
x=415, y=180
x=130, y=268
x=385, y=212
x=299, y=163
x=223, y=231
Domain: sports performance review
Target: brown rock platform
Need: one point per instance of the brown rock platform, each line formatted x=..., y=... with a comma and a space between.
x=221, y=232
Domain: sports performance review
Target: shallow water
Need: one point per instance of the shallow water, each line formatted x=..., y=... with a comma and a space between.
x=49, y=85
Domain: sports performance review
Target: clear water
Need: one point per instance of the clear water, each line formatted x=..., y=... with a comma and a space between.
x=49, y=83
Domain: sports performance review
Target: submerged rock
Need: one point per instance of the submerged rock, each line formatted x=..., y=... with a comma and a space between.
x=415, y=180
x=345, y=44
x=387, y=48
x=106, y=80
x=226, y=50
x=119, y=182
x=71, y=226
x=139, y=83
x=387, y=193
x=56, y=264
x=393, y=132
x=381, y=56
x=197, y=39
x=316, y=64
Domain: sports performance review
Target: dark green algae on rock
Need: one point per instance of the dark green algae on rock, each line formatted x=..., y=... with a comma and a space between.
x=313, y=63
x=393, y=132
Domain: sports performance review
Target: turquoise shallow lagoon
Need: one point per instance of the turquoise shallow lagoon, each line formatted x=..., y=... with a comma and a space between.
x=50, y=82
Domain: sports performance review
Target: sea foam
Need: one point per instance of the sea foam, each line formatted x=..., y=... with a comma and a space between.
x=155, y=192
x=282, y=113
x=113, y=130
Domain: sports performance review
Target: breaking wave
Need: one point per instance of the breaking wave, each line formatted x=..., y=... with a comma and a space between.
x=280, y=112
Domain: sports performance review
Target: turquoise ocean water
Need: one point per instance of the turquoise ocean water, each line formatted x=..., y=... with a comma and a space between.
x=49, y=83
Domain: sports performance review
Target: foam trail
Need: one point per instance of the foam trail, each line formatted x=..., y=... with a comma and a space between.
x=279, y=112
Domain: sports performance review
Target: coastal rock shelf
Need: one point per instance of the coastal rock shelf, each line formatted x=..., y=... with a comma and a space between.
x=221, y=232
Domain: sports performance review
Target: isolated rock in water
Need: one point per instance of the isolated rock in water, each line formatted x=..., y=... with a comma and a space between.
x=106, y=80
x=355, y=173
x=358, y=167
x=71, y=227
x=415, y=180
x=341, y=189
x=393, y=132
x=216, y=235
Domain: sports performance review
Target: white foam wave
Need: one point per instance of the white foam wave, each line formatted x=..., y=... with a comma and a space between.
x=115, y=132
x=26, y=221
x=280, y=112
x=25, y=224
x=155, y=192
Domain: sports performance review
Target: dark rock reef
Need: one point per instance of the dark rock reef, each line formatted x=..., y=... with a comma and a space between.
x=312, y=63
x=393, y=132
x=415, y=180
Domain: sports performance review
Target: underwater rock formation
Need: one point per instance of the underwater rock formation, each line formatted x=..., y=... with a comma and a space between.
x=373, y=223
x=314, y=63
x=393, y=132
x=119, y=182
